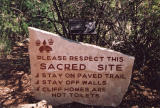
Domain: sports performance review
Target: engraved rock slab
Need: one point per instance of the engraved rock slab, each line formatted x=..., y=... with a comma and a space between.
x=64, y=71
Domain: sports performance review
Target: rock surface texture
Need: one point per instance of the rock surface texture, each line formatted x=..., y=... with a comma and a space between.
x=64, y=71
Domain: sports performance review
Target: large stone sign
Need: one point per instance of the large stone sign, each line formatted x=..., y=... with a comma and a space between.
x=64, y=71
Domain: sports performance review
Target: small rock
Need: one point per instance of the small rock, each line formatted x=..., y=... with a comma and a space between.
x=19, y=44
x=142, y=87
x=41, y=104
x=136, y=106
x=150, y=93
x=20, y=72
x=154, y=91
x=145, y=93
x=136, y=78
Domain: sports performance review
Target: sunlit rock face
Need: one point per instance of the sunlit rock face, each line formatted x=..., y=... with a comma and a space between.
x=64, y=71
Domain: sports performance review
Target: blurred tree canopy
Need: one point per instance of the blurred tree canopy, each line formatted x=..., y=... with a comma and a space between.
x=128, y=26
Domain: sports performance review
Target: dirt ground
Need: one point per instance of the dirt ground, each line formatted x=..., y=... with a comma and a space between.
x=15, y=85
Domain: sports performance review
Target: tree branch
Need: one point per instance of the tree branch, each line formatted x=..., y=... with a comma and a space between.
x=65, y=33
